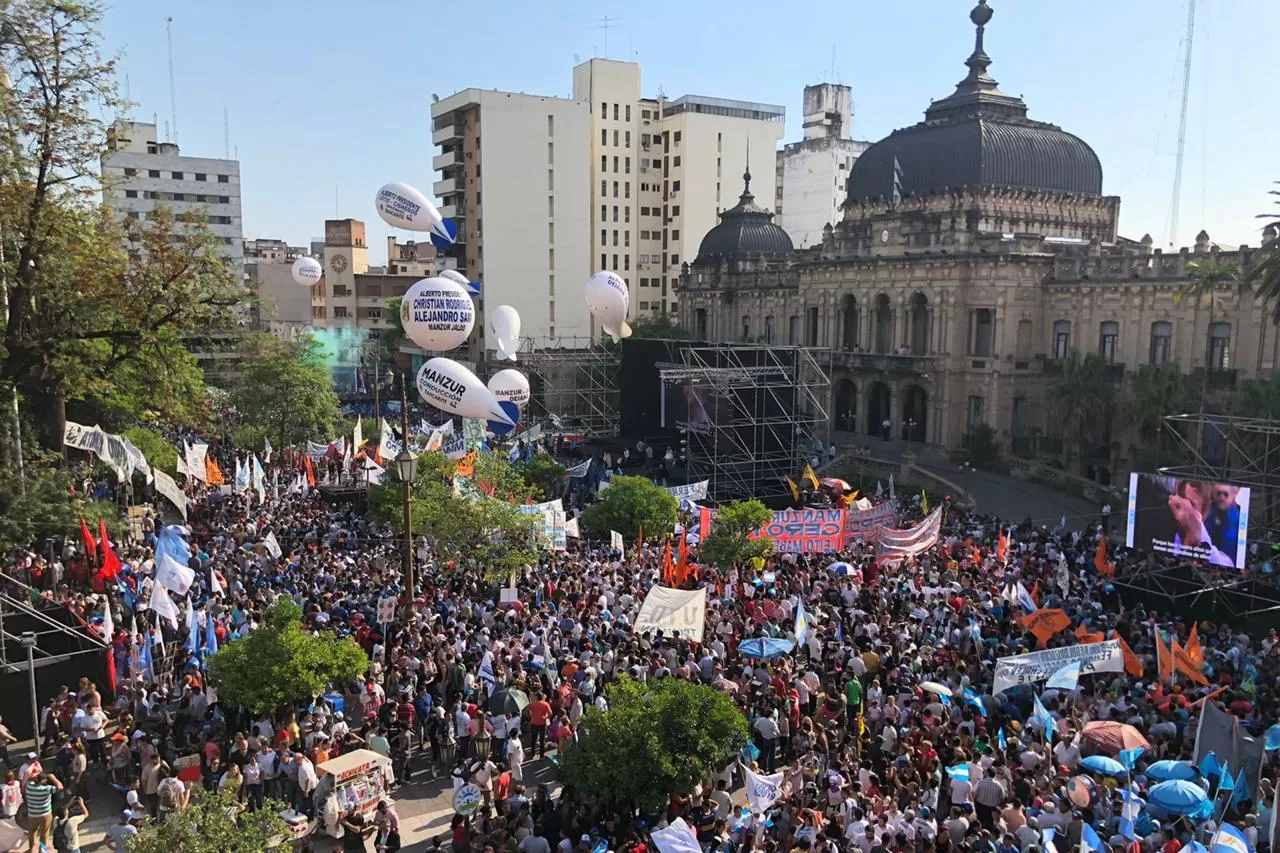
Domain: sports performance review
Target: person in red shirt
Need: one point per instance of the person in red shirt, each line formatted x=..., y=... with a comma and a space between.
x=539, y=714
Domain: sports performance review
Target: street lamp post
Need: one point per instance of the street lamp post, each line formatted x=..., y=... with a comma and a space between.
x=407, y=468
x=29, y=643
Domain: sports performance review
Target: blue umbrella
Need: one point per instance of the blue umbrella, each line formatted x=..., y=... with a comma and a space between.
x=1166, y=770
x=1177, y=796
x=764, y=648
x=840, y=568
x=1105, y=765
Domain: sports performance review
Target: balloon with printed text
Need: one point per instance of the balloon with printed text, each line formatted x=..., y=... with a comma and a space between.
x=510, y=386
x=402, y=206
x=472, y=287
x=608, y=299
x=306, y=271
x=437, y=314
x=452, y=388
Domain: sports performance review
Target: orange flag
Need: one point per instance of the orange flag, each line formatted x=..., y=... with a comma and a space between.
x=310, y=468
x=977, y=557
x=1045, y=623
x=1164, y=658
x=1089, y=637
x=1035, y=593
x=212, y=473
x=1182, y=663
x=640, y=538
x=1194, y=652
x=682, y=561
x=1105, y=567
x=667, y=569
x=1132, y=665
x=467, y=465
x=1002, y=546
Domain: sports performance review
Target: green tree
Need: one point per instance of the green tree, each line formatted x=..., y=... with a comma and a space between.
x=462, y=524
x=632, y=504
x=660, y=326
x=656, y=739
x=728, y=544
x=1158, y=390
x=95, y=303
x=279, y=663
x=285, y=391
x=544, y=474
x=214, y=823
x=389, y=340
x=1204, y=280
x=1260, y=398
x=1263, y=273
x=1080, y=398
x=44, y=504
x=984, y=450
x=159, y=452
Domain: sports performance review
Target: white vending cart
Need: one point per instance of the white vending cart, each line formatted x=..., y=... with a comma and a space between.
x=353, y=783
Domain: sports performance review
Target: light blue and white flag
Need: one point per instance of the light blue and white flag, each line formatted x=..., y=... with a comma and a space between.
x=1228, y=839
x=802, y=625
x=1066, y=678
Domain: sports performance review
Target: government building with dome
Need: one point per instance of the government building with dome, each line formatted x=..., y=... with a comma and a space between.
x=977, y=250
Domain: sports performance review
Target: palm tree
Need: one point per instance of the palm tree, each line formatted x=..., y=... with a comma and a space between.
x=1263, y=274
x=1158, y=390
x=1203, y=280
x=1080, y=399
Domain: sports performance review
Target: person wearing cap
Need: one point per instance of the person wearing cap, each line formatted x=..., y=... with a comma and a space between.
x=120, y=833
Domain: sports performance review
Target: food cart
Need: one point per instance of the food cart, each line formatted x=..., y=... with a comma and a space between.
x=352, y=783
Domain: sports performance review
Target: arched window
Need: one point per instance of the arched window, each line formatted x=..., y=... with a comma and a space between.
x=919, y=324
x=849, y=337
x=1219, y=346
x=1161, y=342
x=1108, y=340
x=1061, y=338
x=884, y=324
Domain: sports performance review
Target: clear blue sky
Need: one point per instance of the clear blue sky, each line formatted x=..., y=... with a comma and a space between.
x=333, y=97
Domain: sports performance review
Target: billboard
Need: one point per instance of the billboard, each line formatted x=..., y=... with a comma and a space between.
x=1189, y=518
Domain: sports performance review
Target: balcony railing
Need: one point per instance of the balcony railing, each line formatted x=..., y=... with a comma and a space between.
x=868, y=362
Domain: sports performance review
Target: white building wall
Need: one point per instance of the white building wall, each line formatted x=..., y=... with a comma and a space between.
x=814, y=176
x=534, y=217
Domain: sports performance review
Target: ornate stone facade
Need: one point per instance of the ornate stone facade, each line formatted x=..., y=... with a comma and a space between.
x=948, y=307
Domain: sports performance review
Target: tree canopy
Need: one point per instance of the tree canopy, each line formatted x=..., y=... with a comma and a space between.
x=213, y=823
x=660, y=326
x=280, y=663
x=630, y=505
x=1080, y=398
x=286, y=391
x=728, y=544
x=477, y=523
x=656, y=738
x=544, y=474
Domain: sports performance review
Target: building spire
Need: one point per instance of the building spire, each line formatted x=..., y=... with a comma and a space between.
x=978, y=61
x=746, y=174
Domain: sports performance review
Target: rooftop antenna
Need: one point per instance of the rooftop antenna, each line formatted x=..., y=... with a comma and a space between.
x=128, y=103
x=606, y=23
x=833, y=63
x=1182, y=122
x=226, y=132
x=173, y=95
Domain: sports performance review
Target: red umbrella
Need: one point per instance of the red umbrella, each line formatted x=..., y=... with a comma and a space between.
x=1112, y=737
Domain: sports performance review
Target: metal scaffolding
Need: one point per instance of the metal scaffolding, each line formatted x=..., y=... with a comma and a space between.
x=575, y=379
x=1222, y=449
x=756, y=415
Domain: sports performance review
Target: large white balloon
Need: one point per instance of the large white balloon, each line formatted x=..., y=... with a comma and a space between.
x=608, y=299
x=469, y=286
x=402, y=206
x=453, y=388
x=437, y=314
x=504, y=322
x=307, y=271
x=510, y=385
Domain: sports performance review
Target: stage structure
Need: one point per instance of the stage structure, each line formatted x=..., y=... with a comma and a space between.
x=754, y=415
x=1244, y=452
x=576, y=379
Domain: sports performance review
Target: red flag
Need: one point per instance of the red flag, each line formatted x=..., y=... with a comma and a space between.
x=110, y=562
x=90, y=546
x=111, y=666
x=667, y=570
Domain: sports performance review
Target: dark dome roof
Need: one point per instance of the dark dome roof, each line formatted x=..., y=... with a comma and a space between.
x=976, y=137
x=744, y=229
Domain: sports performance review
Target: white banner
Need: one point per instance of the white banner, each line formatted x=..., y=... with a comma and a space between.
x=676, y=837
x=763, y=791
x=455, y=448
x=386, y=609
x=615, y=541
x=690, y=491
x=571, y=529
x=168, y=489
x=579, y=470
x=1034, y=667
x=674, y=612
x=273, y=547
x=197, y=455
x=894, y=545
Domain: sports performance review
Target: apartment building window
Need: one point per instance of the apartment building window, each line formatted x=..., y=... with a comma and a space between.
x=975, y=416
x=676, y=160
x=130, y=193
x=627, y=190
x=644, y=306
x=615, y=164
x=1061, y=338
x=551, y=125
x=719, y=141
x=551, y=152
x=604, y=237
x=644, y=114
x=626, y=262
x=318, y=312
x=615, y=139
x=615, y=262
x=151, y=194
x=201, y=176
x=628, y=113
x=177, y=176
x=226, y=179
x=604, y=262
x=224, y=199
x=1161, y=342
x=604, y=137
x=746, y=327
x=615, y=189
x=627, y=138
x=626, y=214
x=626, y=238
x=793, y=329
x=615, y=237
x=604, y=163
x=604, y=110
x=615, y=213
x=811, y=326
x=627, y=165
x=153, y=173
x=604, y=188
x=131, y=173
x=676, y=138
x=1219, y=346
x=657, y=164
x=675, y=234
x=644, y=235
x=768, y=329
x=644, y=211
x=551, y=180
x=179, y=196
x=604, y=212
x=675, y=260
x=1108, y=338
x=615, y=112
x=201, y=199
x=675, y=186
x=551, y=206
x=133, y=214
x=981, y=325
x=339, y=312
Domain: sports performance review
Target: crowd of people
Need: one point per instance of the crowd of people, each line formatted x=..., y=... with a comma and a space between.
x=882, y=720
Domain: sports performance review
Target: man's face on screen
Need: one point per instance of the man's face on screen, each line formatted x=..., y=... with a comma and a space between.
x=1224, y=497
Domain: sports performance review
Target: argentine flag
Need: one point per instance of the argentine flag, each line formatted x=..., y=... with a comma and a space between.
x=1228, y=839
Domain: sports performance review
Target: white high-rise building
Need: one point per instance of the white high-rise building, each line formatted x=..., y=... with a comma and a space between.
x=140, y=173
x=661, y=172
x=812, y=173
x=515, y=177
